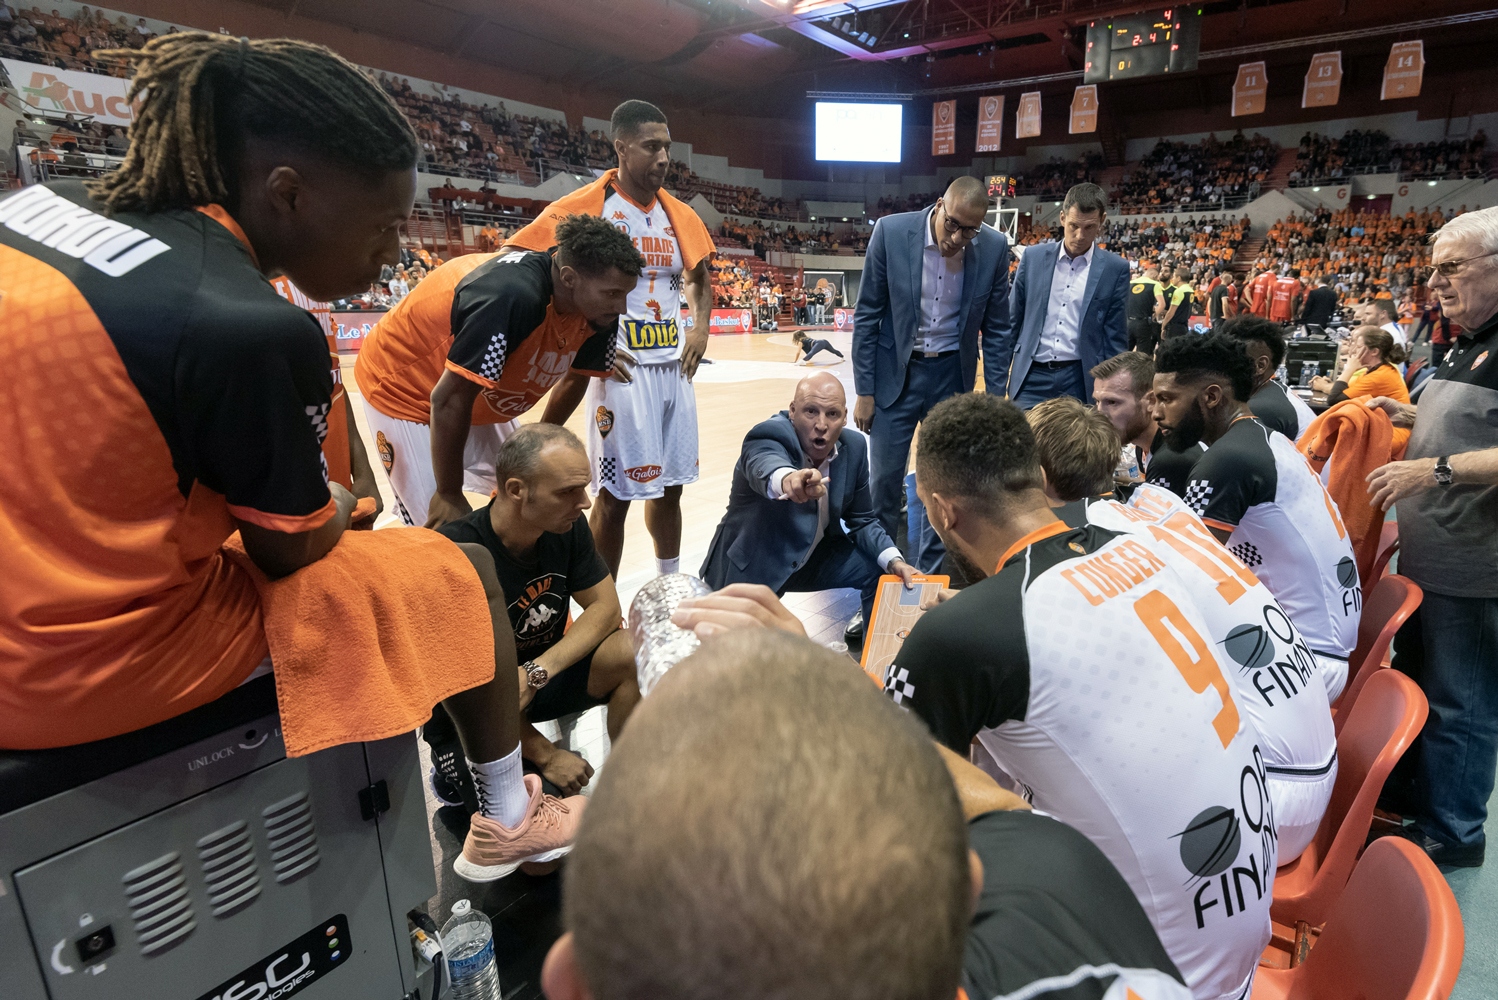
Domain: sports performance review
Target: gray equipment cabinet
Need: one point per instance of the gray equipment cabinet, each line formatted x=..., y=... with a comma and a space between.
x=204, y=863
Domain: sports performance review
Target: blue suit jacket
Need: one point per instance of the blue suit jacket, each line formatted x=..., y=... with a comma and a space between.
x=1105, y=329
x=889, y=307
x=765, y=541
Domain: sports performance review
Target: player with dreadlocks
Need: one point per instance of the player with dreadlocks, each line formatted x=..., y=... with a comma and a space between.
x=160, y=394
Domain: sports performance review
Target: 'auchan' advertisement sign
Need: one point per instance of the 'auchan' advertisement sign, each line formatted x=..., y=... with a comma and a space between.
x=66, y=90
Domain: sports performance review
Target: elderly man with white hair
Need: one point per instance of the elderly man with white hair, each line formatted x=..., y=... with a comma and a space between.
x=1447, y=496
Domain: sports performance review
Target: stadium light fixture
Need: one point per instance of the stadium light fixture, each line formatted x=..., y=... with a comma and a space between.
x=1316, y=190
x=1431, y=183
x=1372, y=196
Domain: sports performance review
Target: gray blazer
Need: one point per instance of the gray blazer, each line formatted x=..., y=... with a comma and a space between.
x=889, y=307
x=1105, y=328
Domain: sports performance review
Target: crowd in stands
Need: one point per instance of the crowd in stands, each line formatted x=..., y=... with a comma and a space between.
x=1360, y=253
x=761, y=237
x=397, y=282
x=1203, y=175
x=1321, y=159
x=1050, y=179
x=730, y=198
x=68, y=42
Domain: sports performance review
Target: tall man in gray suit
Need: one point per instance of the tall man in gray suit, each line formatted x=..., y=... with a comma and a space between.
x=1069, y=308
x=932, y=280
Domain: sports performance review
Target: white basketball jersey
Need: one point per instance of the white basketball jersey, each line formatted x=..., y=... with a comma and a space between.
x=651, y=330
x=1085, y=669
x=1278, y=679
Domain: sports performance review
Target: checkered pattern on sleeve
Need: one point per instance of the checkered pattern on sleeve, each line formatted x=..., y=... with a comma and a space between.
x=1198, y=495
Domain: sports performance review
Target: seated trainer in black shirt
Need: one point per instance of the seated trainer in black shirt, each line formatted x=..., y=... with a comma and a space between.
x=893, y=895
x=544, y=557
x=1277, y=407
x=1120, y=391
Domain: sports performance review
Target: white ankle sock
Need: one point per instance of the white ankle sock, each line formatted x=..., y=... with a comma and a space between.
x=501, y=787
x=664, y=566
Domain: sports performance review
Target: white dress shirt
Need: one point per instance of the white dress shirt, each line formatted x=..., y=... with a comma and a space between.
x=1061, y=334
x=941, y=296
x=775, y=490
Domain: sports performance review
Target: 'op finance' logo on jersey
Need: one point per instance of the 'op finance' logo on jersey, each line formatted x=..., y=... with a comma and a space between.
x=640, y=335
x=1211, y=842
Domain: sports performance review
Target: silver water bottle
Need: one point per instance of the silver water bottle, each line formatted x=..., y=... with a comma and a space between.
x=660, y=645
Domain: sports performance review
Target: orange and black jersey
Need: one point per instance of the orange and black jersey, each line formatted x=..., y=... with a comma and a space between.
x=235, y=378
x=489, y=318
x=156, y=388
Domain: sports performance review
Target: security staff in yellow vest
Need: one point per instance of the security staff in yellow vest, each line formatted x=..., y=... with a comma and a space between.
x=1178, y=301
x=1145, y=302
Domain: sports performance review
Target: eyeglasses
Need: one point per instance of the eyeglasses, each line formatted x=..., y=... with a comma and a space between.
x=953, y=228
x=1450, y=268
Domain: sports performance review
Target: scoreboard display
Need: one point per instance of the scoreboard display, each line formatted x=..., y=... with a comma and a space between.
x=1138, y=45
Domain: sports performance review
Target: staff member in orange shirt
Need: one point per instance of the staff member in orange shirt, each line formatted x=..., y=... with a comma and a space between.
x=1258, y=293
x=1371, y=370
x=475, y=345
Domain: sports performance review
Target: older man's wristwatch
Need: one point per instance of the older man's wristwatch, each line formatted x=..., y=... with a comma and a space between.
x=535, y=674
x=1443, y=471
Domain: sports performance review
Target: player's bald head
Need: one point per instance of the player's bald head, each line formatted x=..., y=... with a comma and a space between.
x=770, y=820
x=967, y=193
x=823, y=386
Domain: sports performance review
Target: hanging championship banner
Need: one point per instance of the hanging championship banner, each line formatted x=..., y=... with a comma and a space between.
x=990, y=123
x=1027, y=121
x=943, y=128
x=1323, y=81
x=1249, y=89
x=1404, y=71
x=1084, y=109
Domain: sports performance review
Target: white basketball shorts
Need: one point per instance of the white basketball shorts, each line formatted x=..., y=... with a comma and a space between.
x=1300, y=800
x=405, y=449
x=1334, y=672
x=642, y=436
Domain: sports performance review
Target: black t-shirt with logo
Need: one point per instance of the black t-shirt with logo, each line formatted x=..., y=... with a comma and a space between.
x=537, y=589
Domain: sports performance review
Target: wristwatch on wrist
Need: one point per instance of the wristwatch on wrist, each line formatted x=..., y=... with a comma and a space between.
x=1443, y=471
x=535, y=674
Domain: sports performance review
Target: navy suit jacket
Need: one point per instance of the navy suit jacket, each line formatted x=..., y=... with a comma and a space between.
x=889, y=307
x=1105, y=328
x=765, y=541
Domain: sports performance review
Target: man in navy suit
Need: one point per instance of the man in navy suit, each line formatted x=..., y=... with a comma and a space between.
x=799, y=512
x=1069, y=307
x=931, y=281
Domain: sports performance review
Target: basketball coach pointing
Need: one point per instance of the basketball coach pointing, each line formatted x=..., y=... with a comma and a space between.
x=931, y=280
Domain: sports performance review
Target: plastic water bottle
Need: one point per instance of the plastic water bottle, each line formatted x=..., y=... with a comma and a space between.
x=468, y=949
x=1282, y=375
x=660, y=645
x=1127, y=469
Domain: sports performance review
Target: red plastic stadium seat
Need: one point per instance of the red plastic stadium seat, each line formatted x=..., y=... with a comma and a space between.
x=1392, y=601
x=1388, y=544
x=1395, y=933
x=1380, y=727
x=1414, y=369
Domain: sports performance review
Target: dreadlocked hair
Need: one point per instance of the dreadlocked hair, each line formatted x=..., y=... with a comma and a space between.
x=203, y=95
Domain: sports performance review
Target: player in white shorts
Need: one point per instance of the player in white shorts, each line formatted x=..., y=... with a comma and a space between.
x=1277, y=678
x=1259, y=497
x=1082, y=664
x=642, y=435
x=476, y=344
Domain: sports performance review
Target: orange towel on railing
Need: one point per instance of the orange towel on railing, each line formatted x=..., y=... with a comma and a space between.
x=1355, y=440
x=368, y=638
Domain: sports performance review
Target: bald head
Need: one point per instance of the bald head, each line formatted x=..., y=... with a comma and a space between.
x=967, y=193
x=819, y=412
x=768, y=820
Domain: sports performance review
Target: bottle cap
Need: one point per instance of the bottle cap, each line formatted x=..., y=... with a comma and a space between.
x=461, y=907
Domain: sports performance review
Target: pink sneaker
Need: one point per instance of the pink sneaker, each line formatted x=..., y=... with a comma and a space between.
x=493, y=851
